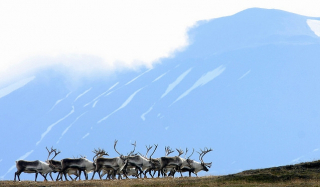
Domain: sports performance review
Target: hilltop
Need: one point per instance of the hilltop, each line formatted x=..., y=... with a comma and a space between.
x=302, y=174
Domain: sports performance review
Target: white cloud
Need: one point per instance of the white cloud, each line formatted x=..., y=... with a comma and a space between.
x=314, y=26
x=91, y=36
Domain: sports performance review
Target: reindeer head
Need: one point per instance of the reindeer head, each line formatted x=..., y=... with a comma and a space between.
x=205, y=165
x=50, y=152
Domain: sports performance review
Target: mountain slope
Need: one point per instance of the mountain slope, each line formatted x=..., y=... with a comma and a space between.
x=247, y=86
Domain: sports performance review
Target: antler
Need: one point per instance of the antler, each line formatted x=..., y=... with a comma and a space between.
x=156, y=146
x=134, y=148
x=180, y=151
x=191, y=153
x=49, y=152
x=168, y=150
x=203, y=152
x=99, y=153
x=115, y=144
x=55, y=153
x=148, y=149
x=186, y=153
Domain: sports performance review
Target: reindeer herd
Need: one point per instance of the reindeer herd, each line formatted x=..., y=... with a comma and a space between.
x=133, y=164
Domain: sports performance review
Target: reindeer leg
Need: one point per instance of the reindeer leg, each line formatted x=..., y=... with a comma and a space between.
x=70, y=177
x=36, y=176
x=17, y=174
x=44, y=176
x=65, y=176
x=58, y=176
x=50, y=174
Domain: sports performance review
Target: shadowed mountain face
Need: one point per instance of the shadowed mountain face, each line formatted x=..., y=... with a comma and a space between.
x=247, y=86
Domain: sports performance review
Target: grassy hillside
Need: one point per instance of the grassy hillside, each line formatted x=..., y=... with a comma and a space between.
x=303, y=174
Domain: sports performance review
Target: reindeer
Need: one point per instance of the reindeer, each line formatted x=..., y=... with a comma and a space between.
x=80, y=164
x=54, y=164
x=139, y=162
x=57, y=166
x=194, y=166
x=169, y=163
x=113, y=165
x=36, y=167
x=156, y=162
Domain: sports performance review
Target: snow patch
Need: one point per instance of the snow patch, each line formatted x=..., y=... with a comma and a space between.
x=176, y=82
x=166, y=128
x=314, y=26
x=203, y=80
x=57, y=102
x=51, y=126
x=144, y=114
x=101, y=95
x=66, y=130
x=85, y=136
x=160, y=76
x=315, y=150
x=244, y=74
x=137, y=77
x=122, y=106
x=9, y=89
x=82, y=94
x=94, y=104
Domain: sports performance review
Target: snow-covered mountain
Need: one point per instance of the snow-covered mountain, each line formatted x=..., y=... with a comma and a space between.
x=247, y=86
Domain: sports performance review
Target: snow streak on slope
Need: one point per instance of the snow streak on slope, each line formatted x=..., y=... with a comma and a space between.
x=203, y=80
x=95, y=99
x=66, y=130
x=57, y=102
x=314, y=26
x=122, y=106
x=137, y=77
x=21, y=158
x=160, y=76
x=85, y=136
x=244, y=74
x=144, y=114
x=51, y=126
x=82, y=94
x=7, y=90
x=176, y=82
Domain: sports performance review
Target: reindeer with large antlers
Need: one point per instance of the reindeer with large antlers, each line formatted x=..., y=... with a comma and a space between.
x=173, y=163
x=194, y=166
x=81, y=164
x=141, y=163
x=110, y=165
